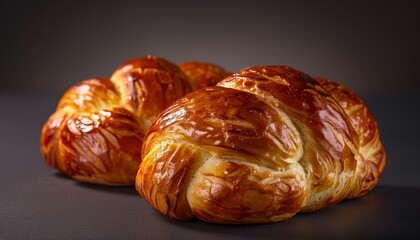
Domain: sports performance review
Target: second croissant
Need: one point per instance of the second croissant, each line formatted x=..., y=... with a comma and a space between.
x=96, y=133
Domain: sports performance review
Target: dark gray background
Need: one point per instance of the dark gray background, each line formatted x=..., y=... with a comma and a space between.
x=370, y=46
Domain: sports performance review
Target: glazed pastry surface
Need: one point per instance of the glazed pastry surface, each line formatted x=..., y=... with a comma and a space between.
x=96, y=133
x=261, y=146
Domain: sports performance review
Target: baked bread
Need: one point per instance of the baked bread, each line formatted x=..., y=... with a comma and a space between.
x=97, y=131
x=261, y=146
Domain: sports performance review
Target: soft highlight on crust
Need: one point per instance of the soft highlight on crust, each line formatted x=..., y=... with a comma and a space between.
x=96, y=133
x=371, y=158
x=261, y=146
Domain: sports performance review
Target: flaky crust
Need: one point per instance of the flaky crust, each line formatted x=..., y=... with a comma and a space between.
x=371, y=157
x=97, y=131
x=262, y=145
x=201, y=75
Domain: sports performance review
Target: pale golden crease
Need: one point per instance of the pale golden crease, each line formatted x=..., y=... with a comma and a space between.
x=261, y=146
x=96, y=133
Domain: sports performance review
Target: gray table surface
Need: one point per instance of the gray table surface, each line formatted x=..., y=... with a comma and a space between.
x=37, y=202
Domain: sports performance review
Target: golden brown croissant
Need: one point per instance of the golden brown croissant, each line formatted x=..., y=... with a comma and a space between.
x=261, y=146
x=97, y=131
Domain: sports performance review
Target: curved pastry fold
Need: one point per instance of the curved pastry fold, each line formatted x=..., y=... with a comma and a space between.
x=97, y=131
x=261, y=146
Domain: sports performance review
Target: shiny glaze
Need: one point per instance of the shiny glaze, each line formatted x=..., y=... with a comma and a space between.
x=264, y=144
x=202, y=75
x=233, y=126
x=327, y=133
x=92, y=139
x=232, y=119
x=97, y=131
x=149, y=85
x=372, y=158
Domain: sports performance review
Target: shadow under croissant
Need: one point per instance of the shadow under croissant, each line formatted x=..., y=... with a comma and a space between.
x=385, y=212
x=373, y=215
x=129, y=190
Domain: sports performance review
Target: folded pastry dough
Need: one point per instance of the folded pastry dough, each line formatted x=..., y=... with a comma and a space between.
x=96, y=133
x=261, y=146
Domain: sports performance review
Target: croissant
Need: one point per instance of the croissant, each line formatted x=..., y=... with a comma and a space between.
x=261, y=146
x=95, y=134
